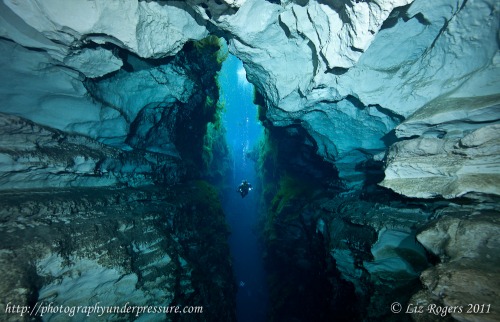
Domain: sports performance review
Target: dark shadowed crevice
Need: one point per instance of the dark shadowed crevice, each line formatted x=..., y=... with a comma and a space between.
x=285, y=28
x=337, y=70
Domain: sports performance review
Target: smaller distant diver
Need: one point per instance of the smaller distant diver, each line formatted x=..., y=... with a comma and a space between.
x=244, y=188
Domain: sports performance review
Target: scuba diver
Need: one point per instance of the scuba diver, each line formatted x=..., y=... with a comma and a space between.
x=244, y=188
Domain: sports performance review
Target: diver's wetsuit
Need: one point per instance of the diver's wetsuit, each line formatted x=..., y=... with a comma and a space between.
x=244, y=188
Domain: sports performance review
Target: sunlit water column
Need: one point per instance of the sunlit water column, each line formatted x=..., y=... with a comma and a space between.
x=243, y=132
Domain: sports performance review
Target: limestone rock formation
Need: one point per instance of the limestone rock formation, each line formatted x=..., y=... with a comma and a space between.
x=94, y=62
x=363, y=63
x=65, y=64
x=447, y=167
x=467, y=276
x=106, y=93
x=91, y=97
x=134, y=25
x=116, y=247
x=33, y=156
x=367, y=64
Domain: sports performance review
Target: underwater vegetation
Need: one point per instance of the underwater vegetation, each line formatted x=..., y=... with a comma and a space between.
x=216, y=155
x=212, y=42
x=202, y=219
x=318, y=237
x=300, y=272
x=201, y=142
x=283, y=208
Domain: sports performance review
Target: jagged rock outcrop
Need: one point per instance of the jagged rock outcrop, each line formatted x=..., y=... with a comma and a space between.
x=369, y=65
x=134, y=25
x=457, y=151
x=388, y=63
x=355, y=253
x=467, y=277
x=111, y=247
x=349, y=255
x=446, y=167
x=114, y=114
x=33, y=156
x=156, y=108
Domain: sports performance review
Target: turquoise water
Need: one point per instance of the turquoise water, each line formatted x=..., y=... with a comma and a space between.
x=243, y=132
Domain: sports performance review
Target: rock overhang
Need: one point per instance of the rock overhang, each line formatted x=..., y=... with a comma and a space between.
x=306, y=59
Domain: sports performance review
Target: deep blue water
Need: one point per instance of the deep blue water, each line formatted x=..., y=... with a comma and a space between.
x=243, y=132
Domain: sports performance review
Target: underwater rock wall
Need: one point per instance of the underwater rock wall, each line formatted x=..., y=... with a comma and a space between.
x=466, y=243
x=365, y=67
x=107, y=73
x=400, y=90
x=111, y=247
x=104, y=109
x=418, y=106
x=348, y=255
x=34, y=156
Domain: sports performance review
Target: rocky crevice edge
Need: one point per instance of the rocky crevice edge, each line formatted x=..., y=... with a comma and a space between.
x=351, y=255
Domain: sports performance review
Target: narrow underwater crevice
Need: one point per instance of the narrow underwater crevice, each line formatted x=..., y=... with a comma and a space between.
x=242, y=133
x=323, y=238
